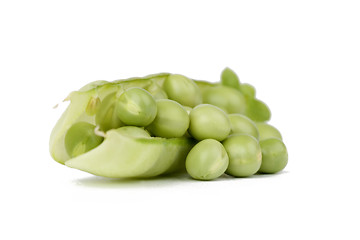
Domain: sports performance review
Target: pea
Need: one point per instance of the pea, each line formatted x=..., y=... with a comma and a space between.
x=81, y=138
x=244, y=155
x=257, y=110
x=156, y=91
x=230, y=79
x=267, y=131
x=171, y=120
x=242, y=124
x=134, y=132
x=274, y=155
x=248, y=90
x=207, y=160
x=136, y=107
x=226, y=98
x=183, y=90
x=208, y=121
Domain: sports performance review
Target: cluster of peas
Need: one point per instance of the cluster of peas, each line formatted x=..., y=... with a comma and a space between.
x=226, y=120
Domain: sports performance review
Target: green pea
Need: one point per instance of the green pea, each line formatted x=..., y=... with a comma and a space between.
x=171, y=120
x=183, y=90
x=230, y=79
x=267, y=131
x=248, y=90
x=136, y=107
x=257, y=110
x=207, y=160
x=156, y=91
x=106, y=116
x=208, y=121
x=81, y=138
x=244, y=155
x=243, y=124
x=226, y=98
x=274, y=155
x=133, y=132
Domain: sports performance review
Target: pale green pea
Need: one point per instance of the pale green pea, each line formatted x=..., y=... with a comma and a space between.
x=106, y=116
x=134, y=132
x=183, y=90
x=244, y=155
x=226, y=98
x=207, y=160
x=243, y=124
x=136, y=107
x=208, y=121
x=230, y=79
x=81, y=138
x=171, y=120
x=267, y=131
x=248, y=90
x=156, y=91
x=257, y=110
x=274, y=155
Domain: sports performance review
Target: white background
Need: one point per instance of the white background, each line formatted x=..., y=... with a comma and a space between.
x=302, y=56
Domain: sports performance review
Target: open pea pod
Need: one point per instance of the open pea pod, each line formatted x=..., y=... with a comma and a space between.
x=118, y=155
x=125, y=156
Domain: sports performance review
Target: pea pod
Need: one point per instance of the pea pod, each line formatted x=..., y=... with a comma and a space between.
x=122, y=155
x=76, y=112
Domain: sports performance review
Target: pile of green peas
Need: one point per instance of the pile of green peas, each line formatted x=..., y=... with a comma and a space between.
x=225, y=119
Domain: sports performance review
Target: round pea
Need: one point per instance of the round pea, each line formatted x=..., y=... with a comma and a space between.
x=243, y=124
x=207, y=160
x=244, y=155
x=81, y=138
x=106, y=116
x=208, y=121
x=257, y=110
x=183, y=90
x=226, y=98
x=274, y=155
x=267, y=131
x=171, y=120
x=134, y=132
x=156, y=91
x=136, y=107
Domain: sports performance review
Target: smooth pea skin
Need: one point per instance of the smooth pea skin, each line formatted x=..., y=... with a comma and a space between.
x=243, y=124
x=274, y=155
x=106, y=116
x=208, y=121
x=156, y=91
x=183, y=90
x=226, y=98
x=248, y=90
x=257, y=110
x=136, y=107
x=171, y=120
x=207, y=160
x=230, y=79
x=244, y=155
x=267, y=131
x=134, y=132
x=81, y=138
